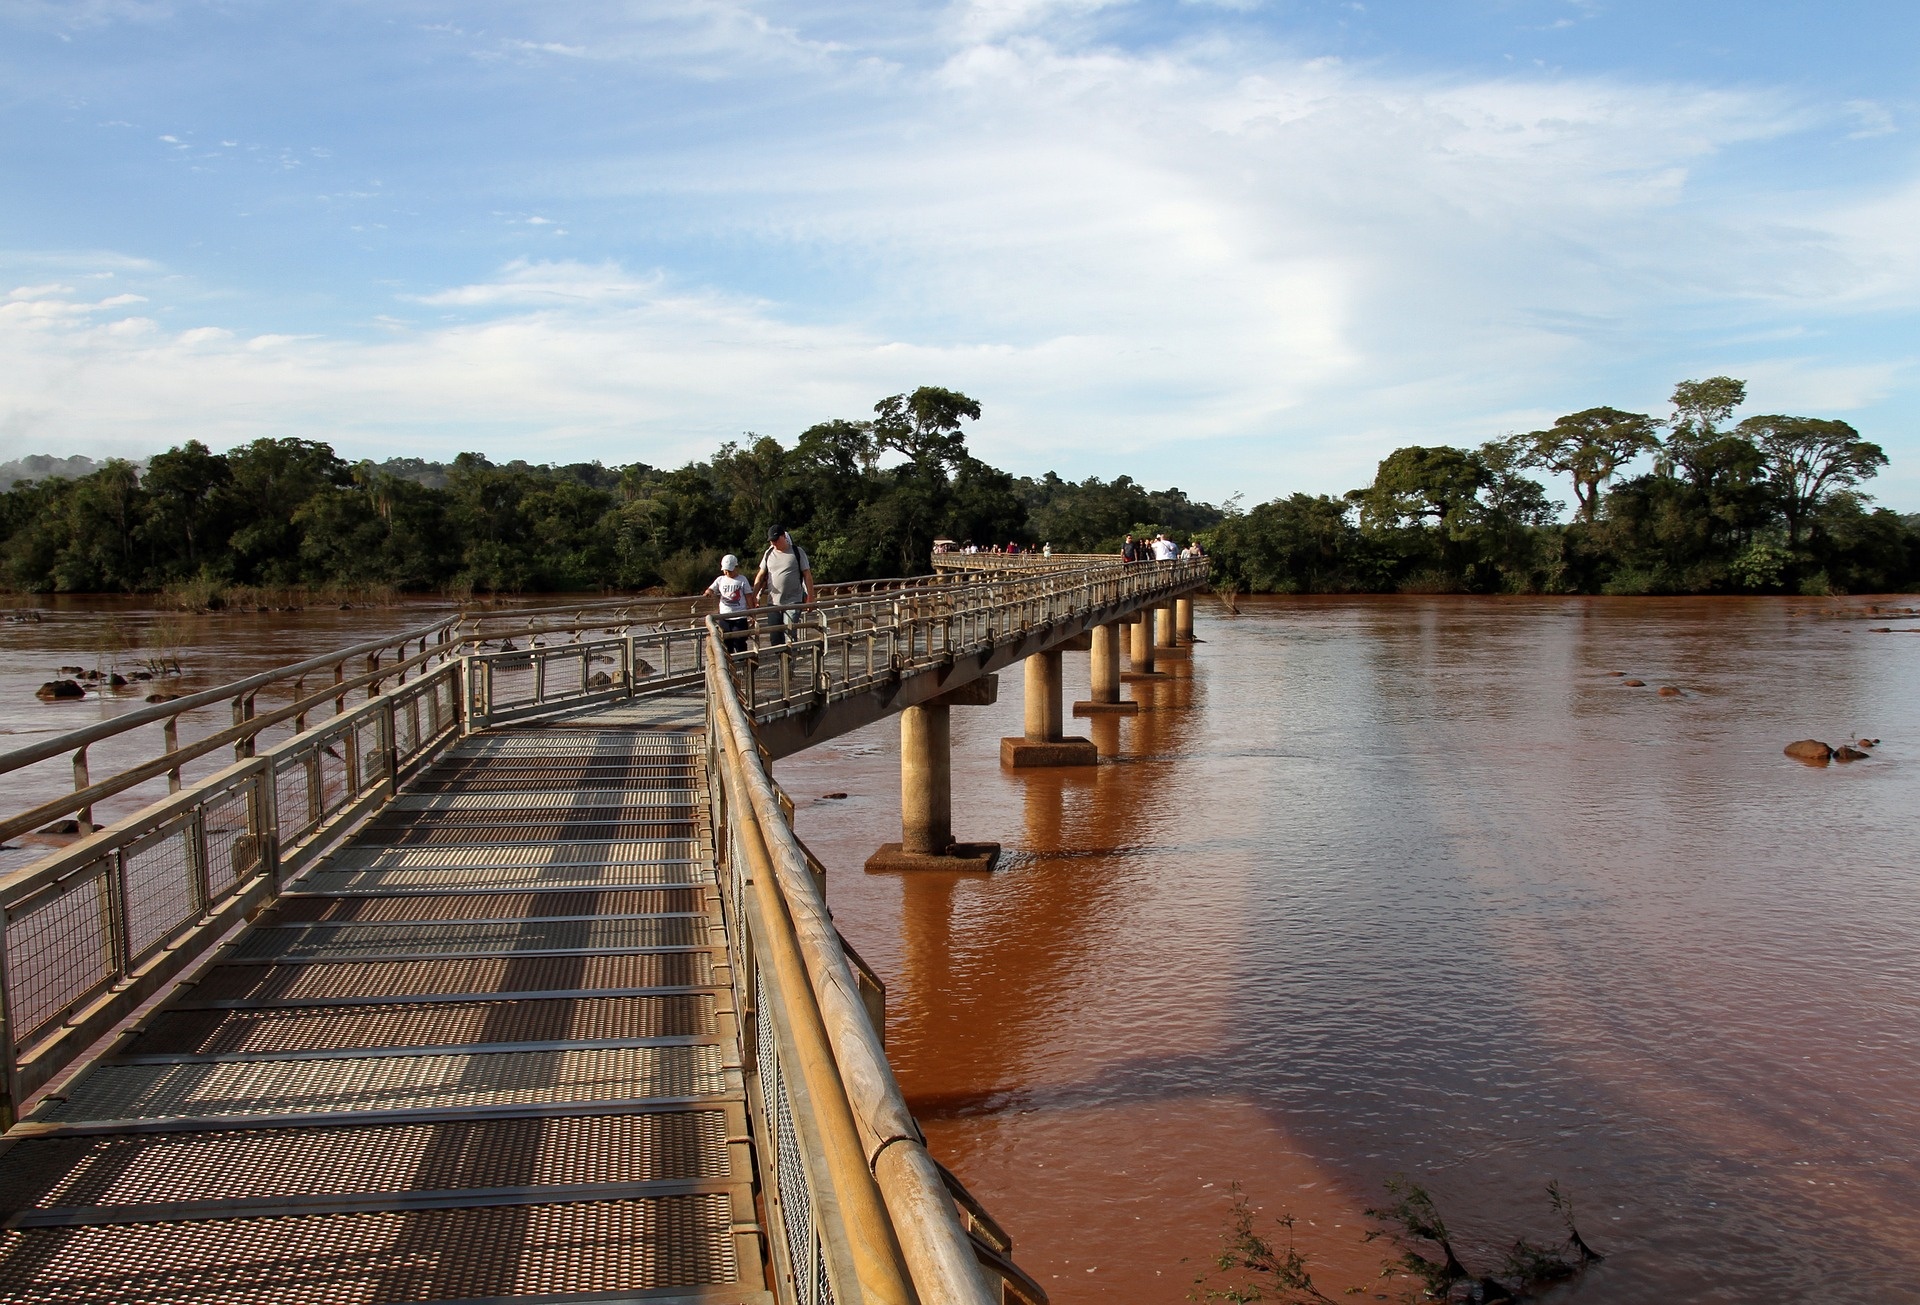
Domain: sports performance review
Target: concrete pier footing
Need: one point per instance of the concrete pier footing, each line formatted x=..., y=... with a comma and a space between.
x=1044, y=744
x=926, y=793
x=1104, y=698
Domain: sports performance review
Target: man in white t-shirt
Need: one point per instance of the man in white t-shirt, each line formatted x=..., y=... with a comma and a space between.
x=786, y=577
x=1164, y=549
x=735, y=593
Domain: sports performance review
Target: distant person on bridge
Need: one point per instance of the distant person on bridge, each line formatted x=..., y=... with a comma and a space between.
x=735, y=593
x=1164, y=549
x=1129, y=551
x=786, y=578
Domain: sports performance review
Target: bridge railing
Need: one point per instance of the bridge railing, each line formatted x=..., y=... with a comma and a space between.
x=90, y=932
x=187, y=734
x=847, y=647
x=859, y=1210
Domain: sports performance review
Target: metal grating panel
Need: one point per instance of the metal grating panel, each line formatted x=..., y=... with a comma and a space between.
x=440, y=833
x=383, y=1258
x=345, y=941
x=376, y=979
x=578, y=747
x=489, y=906
x=559, y=875
x=641, y=852
x=545, y=804
x=120, y=1169
x=273, y=1087
x=443, y=1024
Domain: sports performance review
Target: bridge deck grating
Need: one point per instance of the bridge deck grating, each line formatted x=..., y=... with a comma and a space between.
x=477, y=1053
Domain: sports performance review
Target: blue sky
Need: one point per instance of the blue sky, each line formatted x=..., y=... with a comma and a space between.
x=1240, y=247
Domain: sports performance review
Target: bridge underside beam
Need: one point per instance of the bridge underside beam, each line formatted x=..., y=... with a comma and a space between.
x=785, y=735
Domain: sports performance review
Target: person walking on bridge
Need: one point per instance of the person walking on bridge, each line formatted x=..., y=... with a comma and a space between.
x=735, y=593
x=786, y=578
x=1164, y=549
x=1129, y=551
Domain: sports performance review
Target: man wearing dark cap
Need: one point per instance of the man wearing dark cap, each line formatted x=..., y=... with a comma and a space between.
x=786, y=578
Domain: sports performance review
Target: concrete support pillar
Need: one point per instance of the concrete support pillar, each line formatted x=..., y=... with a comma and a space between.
x=1183, y=619
x=1143, y=650
x=1043, y=744
x=1143, y=641
x=926, y=790
x=1043, y=697
x=926, y=779
x=1105, y=696
x=1165, y=645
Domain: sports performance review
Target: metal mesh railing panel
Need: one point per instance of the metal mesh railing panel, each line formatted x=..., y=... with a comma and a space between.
x=60, y=951
x=406, y=726
x=96, y=1172
x=428, y=1024
x=377, y=979
x=296, y=788
x=804, y=1252
x=161, y=885
x=344, y=941
x=369, y=745
x=382, y=1258
x=274, y=1087
x=233, y=848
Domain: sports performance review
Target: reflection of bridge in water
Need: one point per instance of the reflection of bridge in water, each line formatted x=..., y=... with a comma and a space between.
x=510, y=980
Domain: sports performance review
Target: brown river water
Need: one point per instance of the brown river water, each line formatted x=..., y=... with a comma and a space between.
x=1389, y=885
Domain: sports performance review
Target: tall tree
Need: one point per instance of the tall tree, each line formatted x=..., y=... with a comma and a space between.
x=1806, y=459
x=1588, y=447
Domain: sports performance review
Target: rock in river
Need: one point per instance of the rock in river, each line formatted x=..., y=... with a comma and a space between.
x=1668, y=691
x=1845, y=753
x=54, y=690
x=1811, y=751
x=1635, y=684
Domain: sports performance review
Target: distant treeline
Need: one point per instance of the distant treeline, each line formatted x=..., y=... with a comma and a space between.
x=1771, y=504
x=865, y=498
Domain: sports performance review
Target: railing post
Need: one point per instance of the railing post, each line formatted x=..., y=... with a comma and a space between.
x=81, y=782
x=170, y=732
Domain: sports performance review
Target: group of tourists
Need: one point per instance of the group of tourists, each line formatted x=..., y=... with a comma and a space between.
x=944, y=546
x=1157, y=549
x=784, y=579
x=783, y=582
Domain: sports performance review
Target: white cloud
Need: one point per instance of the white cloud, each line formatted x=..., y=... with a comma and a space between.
x=1250, y=270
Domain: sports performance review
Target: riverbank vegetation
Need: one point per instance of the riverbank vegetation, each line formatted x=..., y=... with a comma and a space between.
x=1768, y=504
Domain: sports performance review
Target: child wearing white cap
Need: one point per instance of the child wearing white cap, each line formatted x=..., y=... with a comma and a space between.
x=735, y=593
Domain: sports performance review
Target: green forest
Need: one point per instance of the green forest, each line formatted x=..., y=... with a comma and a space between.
x=1768, y=504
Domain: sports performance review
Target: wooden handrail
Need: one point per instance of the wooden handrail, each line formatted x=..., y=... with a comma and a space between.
x=870, y=1232
x=939, y=1255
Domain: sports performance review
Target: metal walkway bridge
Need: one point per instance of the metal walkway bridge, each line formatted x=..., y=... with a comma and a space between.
x=506, y=981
